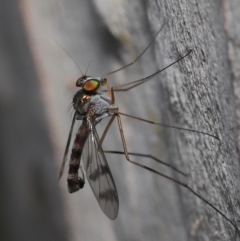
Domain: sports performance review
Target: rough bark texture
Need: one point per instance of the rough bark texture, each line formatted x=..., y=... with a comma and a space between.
x=196, y=93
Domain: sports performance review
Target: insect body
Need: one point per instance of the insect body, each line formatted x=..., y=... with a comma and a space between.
x=91, y=106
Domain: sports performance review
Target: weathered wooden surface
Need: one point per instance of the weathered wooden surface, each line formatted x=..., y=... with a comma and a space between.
x=195, y=93
x=30, y=205
x=232, y=25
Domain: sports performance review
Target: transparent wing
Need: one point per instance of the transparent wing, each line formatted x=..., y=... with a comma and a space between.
x=99, y=175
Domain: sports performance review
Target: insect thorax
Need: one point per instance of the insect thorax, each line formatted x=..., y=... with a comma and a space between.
x=95, y=106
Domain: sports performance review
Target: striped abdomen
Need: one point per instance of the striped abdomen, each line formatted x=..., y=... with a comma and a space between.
x=74, y=182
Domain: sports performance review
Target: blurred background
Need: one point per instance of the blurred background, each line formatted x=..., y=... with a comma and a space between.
x=37, y=85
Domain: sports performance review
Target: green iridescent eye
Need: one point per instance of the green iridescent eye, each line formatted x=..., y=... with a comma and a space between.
x=91, y=85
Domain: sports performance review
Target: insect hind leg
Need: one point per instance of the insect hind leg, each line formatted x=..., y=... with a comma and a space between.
x=185, y=185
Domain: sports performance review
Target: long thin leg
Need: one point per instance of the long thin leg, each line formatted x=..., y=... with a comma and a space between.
x=147, y=156
x=161, y=124
x=110, y=92
x=167, y=177
x=67, y=146
x=135, y=60
x=135, y=83
x=106, y=130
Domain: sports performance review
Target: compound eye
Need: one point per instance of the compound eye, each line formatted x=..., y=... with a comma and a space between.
x=91, y=85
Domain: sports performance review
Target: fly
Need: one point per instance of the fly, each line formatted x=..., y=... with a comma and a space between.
x=91, y=105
